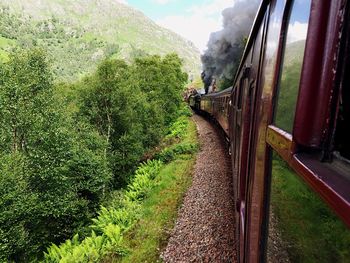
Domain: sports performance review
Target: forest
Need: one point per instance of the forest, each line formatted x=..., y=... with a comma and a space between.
x=66, y=147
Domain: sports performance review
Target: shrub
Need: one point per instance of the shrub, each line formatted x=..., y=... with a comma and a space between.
x=168, y=154
x=185, y=111
x=178, y=128
x=110, y=224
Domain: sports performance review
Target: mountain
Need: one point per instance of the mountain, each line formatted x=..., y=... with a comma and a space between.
x=294, y=53
x=79, y=33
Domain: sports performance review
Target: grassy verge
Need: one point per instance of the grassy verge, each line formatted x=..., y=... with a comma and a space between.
x=149, y=236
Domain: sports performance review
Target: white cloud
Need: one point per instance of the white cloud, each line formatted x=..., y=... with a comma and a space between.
x=194, y=28
x=214, y=7
x=125, y=2
x=297, y=31
x=198, y=21
x=162, y=2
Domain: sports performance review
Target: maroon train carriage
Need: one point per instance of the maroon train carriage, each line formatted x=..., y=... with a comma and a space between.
x=288, y=120
x=216, y=104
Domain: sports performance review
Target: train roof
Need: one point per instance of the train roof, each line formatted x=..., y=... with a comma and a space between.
x=222, y=92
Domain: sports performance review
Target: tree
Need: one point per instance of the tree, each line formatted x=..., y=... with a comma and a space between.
x=61, y=172
x=109, y=105
x=162, y=80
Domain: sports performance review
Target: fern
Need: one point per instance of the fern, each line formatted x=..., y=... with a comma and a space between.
x=108, y=228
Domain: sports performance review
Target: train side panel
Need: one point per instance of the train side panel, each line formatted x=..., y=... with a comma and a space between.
x=287, y=119
x=265, y=134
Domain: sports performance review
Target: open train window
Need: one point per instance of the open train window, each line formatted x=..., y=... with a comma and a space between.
x=342, y=139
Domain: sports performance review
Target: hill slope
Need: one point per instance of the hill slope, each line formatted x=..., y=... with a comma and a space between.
x=80, y=33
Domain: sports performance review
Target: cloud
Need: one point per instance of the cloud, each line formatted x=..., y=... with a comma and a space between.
x=125, y=2
x=195, y=28
x=162, y=2
x=212, y=8
x=197, y=22
x=297, y=31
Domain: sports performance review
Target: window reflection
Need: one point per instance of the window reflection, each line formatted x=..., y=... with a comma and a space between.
x=292, y=63
x=301, y=227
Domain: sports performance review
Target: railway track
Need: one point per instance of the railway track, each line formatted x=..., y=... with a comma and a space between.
x=204, y=231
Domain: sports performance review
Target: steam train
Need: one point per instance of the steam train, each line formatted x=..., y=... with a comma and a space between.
x=287, y=118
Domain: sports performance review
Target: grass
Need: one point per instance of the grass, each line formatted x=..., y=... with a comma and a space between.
x=149, y=236
x=309, y=228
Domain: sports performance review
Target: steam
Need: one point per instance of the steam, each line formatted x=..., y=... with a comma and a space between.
x=221, y=59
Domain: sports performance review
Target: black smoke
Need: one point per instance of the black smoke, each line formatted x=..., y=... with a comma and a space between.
x=225, y=47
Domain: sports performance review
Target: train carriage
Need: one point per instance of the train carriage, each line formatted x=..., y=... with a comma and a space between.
x=216, y=104
x=288, y=120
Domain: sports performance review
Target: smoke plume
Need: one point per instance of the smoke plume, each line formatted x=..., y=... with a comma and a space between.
x=225, y=47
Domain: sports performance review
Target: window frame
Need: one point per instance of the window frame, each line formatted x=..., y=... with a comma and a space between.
x=304, y=149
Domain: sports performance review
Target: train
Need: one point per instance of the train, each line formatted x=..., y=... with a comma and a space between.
x=287, y=120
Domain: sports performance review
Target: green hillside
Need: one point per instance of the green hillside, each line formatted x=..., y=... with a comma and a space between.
x=289, y=85
x=78, y=34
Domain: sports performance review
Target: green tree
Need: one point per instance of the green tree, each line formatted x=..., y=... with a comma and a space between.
x=131, y=106
x=162, y=80
x=107, y=103
x=62, y=171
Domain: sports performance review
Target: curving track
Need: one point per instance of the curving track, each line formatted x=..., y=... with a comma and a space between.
x=204, y=231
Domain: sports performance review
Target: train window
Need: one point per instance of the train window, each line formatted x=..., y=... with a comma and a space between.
x=240, y=94
x=292, y=63
x=301, y=226
x=342, y=140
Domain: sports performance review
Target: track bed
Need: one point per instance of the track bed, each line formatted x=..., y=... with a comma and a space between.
x=204, y=231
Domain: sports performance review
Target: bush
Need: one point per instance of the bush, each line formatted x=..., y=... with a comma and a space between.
x=178, y=129
x=110, y=224
x=185, y=111
x=169, y=154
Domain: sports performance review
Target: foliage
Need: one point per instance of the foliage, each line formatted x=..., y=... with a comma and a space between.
x=159, y=79
x=91, y=249
x=78, y=35
x=148, y=237
x=16, y=206
x=64, y=146
x=131, y=106
x=51, y=170
x=197, y=82
x=185, y=110
x=170, y=153
x=106, y=241
x=110, y=224
x=178, y=128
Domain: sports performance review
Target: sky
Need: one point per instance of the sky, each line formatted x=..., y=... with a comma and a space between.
x=196, y=19
x=192, y=19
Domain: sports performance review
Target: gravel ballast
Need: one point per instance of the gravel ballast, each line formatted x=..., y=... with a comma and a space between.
x=204, y=231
